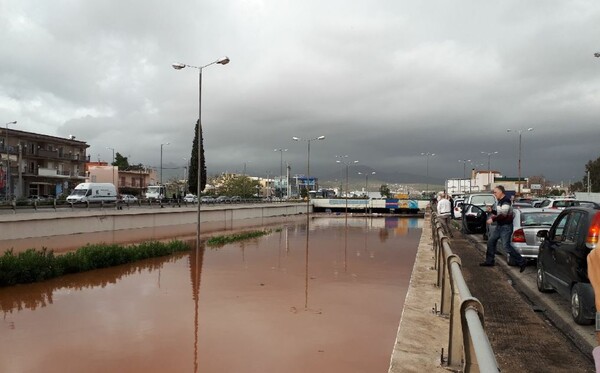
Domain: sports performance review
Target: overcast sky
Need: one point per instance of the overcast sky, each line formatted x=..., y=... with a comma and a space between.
x=384, y=81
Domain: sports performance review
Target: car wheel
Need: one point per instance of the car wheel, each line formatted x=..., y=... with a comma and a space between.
x=542, y=284
x=578, y=305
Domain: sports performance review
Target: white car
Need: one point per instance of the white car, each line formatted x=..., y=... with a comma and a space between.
x=190, y=198
x=558, y=203
x=457, y=210
x=128, y=198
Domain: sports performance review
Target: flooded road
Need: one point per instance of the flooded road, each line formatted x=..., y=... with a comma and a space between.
x=279, y=303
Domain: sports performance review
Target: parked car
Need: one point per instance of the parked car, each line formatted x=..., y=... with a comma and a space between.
x=190, y=198
x=558, y=203
x=236, y=199
x=207, y=199
x=474, y=212
x=562, y=259
x=591, y=204
x=222, y=199
x=457, y=210
x=128, y=198
x=526, y=223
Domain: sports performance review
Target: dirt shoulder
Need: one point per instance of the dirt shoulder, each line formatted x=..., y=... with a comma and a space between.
x=522, y=339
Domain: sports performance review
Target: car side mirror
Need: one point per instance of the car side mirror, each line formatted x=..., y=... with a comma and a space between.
x=542, y=233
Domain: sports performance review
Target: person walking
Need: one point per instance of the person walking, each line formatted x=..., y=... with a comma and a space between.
x=502, y=214
x=444, y=210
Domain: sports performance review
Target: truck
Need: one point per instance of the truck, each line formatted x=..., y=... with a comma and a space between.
x=157, y=192
x=93, y=192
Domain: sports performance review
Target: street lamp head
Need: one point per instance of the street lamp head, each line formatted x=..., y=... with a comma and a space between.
x=178, y=66
x=296, y=138
x=355, y=162
x=13, y=122
x=530, y=129
x=338, y=161
x=373, y=173
x=596, y=54
x=321, y=138
x=223, y=60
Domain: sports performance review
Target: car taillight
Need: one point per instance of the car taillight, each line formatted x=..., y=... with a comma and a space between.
x=518, y=236
x=593, y=232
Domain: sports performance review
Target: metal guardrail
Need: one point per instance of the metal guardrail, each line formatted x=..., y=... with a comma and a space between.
x=469, y=348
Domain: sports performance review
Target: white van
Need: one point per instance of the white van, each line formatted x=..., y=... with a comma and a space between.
x=93, y=192
x=156, y=192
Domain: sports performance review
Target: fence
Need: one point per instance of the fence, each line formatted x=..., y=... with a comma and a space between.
x=469, y=349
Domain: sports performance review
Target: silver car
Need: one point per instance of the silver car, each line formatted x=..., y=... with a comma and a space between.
x=526, y=223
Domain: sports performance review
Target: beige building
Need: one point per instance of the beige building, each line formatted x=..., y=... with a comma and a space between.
x=127, y=181
x=39, y=164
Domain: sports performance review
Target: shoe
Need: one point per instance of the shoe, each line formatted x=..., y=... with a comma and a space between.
x=522, y=267
x=486, y=264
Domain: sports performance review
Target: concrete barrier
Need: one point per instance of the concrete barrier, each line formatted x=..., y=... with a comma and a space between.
x=49, y=224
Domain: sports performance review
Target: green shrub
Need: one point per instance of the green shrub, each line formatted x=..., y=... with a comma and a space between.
x=38, y=265
x=222, y=240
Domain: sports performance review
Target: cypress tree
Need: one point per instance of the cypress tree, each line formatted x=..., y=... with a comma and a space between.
x=193, y=172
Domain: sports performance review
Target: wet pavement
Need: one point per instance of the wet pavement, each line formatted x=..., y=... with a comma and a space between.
x=328, y=299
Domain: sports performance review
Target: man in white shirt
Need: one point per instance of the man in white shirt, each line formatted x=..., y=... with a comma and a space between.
x=444, y=213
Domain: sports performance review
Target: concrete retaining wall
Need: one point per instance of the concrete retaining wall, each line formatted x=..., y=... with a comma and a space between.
x=48, y=224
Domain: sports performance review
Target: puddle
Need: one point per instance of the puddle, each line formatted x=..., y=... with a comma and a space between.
x=272, y=304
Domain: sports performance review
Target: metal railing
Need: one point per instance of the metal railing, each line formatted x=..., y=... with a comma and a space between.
x=469, y=348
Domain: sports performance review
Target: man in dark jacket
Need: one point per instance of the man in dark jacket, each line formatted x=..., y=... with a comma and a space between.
x=502, y=214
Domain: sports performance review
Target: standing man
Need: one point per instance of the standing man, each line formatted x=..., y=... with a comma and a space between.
x=444, y=210
x=502, y=214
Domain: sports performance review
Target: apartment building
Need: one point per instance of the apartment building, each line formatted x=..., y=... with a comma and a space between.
x=36, y=164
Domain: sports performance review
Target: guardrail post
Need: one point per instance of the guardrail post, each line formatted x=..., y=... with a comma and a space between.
x=479, y=356
x=455, y=336
x=13, y=204
x=446, y=286
x=54, y=203
x=35, y=205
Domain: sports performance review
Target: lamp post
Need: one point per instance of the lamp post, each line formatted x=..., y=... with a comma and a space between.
x=519, y=165
x=347, y=164
x=489, y=155
x=7, y=177
x=427, y=155
x=179, y=66
x=464, y=162
x=161, y=168
x=280, y=150
x=113, y=164
x=308, y=165
x=367, y=186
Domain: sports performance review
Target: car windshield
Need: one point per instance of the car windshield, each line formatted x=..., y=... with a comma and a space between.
x=566, y=203
x=537, y=218
x=79, y=192
x=483, y=200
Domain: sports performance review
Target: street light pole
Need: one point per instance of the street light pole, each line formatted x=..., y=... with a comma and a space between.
x=464, y=162
x=519, y=165
x=428, y=154
x=367, y=186
x=489, y=155
x=179, y=66
x=161, y=168
x=280, y=150
x=308, y=166
x=347, y=164
x=7, y=177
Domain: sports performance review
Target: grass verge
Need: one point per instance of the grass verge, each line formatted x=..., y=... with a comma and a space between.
x=222, y=240
x=38, y=265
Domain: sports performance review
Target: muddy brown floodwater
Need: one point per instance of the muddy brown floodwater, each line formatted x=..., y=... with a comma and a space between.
x=272, y=304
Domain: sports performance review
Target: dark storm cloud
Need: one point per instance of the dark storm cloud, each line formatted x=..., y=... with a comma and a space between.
x=384, y=81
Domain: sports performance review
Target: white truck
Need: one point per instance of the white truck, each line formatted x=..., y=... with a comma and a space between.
x=158, y=192
x=93, y=192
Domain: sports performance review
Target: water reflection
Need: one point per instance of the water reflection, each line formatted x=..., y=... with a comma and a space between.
x=33, y=296
x=195, y=262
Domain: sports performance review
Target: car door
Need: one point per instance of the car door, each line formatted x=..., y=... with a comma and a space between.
x=548, y=252
x=565, y=253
